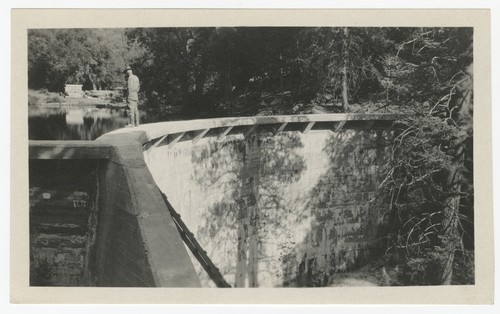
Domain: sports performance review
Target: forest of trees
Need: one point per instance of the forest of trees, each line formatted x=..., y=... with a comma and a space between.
x=234, y=71
x=60, y=56
x=203, y=72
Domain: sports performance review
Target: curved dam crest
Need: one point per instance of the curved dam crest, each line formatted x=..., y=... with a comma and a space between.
x=275, y=201
x=272, y=209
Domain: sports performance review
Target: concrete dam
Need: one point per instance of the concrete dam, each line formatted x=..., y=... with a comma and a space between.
x=272, y=201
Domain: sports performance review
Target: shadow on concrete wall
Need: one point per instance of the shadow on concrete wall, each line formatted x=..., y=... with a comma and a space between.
x=253, y=173
x=346, y=211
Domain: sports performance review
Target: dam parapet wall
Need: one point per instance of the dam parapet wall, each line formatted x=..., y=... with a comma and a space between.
x=274, y=200
x=280, y=202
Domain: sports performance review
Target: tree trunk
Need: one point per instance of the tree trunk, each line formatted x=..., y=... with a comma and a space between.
x=281, y=73
x=241, y=256
x=452, y=237
x=345, y=63
x=229, y=87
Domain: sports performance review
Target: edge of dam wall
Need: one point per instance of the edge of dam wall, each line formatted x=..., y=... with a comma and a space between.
x=137, y=243
x=278, y=204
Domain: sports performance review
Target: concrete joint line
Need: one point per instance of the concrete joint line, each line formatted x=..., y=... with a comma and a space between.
x=281, y=128
x=308, y=127
x=340, y=126
x=200, y=135
x=176, y=139
x=226, y=132
x=250, y=130
x=159, y=141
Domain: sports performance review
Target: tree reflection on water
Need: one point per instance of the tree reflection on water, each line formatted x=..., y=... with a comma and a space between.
x=74, y=123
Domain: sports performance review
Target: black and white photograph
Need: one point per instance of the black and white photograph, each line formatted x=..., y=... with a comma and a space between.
x=252, y=156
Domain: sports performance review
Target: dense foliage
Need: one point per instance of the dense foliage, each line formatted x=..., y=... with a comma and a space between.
x=430, y=182
x=206, y=72
x=78, y=56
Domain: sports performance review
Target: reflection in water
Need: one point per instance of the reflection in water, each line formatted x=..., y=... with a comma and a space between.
x=74, y=123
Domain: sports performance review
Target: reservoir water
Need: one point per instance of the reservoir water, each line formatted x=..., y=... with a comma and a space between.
x=74, y=123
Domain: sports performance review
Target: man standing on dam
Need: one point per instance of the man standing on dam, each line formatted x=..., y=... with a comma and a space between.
x=133, y=87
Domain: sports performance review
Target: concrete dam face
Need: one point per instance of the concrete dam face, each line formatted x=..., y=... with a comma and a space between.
x=271, y=201
x=278, y=204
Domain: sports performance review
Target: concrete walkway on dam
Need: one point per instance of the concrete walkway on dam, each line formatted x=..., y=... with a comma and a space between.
x=274, y=200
